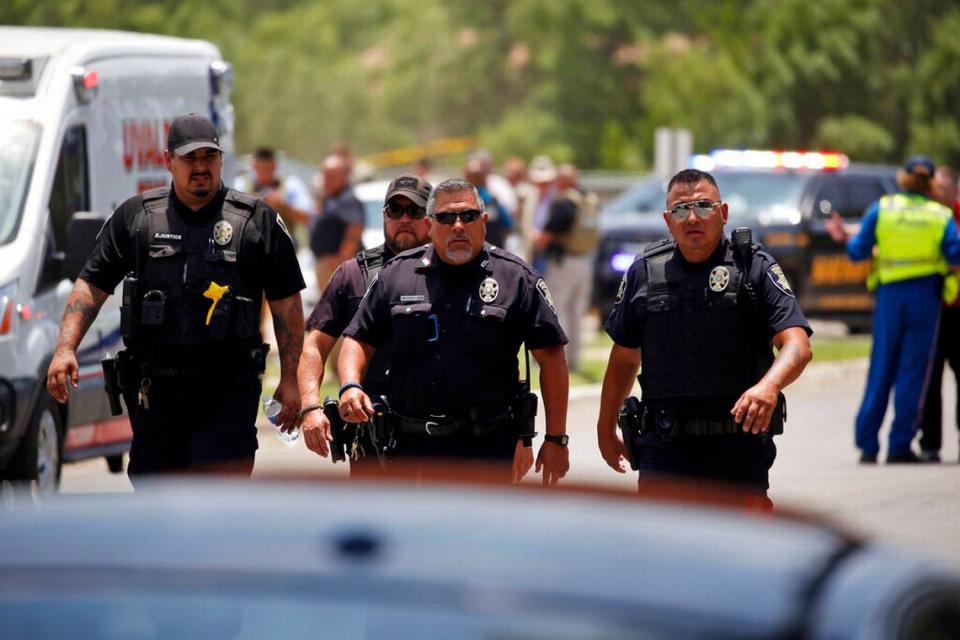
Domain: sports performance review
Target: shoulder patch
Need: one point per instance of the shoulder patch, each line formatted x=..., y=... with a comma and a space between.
x=622, y=289
x=779, y=279
x=283, y=226
x=545, y=292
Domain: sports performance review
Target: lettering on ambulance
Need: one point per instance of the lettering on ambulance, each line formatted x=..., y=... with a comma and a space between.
x=143, y=142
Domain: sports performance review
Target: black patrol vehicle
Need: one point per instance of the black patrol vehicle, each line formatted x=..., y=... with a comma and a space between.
x=785, y=198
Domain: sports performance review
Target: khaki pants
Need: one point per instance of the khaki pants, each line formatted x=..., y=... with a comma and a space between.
x=569, y=282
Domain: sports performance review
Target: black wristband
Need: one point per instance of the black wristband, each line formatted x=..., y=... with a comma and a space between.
x=312, y=407
x=349, y=385
x=527, y=438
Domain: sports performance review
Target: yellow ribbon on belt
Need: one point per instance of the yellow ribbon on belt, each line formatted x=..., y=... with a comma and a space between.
x=215, y=292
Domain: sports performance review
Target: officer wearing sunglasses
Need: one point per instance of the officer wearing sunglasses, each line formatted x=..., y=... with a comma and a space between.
x=704, y=314
x=454, y=315
x=404, y=227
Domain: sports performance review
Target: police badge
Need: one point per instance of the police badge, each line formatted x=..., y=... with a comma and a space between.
x=222, y=233
x=719, y=279
x=489, y=289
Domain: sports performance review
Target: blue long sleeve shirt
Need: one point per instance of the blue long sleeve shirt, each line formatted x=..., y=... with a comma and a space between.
x=860, y=246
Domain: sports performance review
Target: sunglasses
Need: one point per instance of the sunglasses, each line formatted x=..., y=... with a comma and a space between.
x=449, y=217
x=700, y=208
x=395, y=211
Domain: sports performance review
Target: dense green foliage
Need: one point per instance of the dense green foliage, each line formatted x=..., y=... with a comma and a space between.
x=586, y=81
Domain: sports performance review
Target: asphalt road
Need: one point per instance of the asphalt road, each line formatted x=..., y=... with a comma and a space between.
x=911, y=506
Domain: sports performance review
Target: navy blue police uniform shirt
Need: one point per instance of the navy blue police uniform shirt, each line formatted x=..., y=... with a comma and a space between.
x=268, y=258
x=778, y=306
x=455, y=331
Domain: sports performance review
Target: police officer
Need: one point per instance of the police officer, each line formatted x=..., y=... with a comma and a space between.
x=915, y=238
x=404, y=227
x=703, y=314
x=453, y=315
x=197, y=258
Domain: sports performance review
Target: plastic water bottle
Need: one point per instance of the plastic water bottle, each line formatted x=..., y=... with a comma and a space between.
x=272, y=409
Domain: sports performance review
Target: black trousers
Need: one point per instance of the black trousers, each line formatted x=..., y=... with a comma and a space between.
x=193, y=424
x=743, y=460
x=948, y=349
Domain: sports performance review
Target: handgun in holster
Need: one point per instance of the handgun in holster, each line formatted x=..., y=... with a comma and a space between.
x=382, y=431
x=630, y=422
x=338, y=430
x=111, y=382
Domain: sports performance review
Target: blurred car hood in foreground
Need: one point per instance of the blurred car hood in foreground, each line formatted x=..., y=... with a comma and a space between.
x=393, y=559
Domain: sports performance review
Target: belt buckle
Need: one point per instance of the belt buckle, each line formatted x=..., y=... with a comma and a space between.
x=666, y=425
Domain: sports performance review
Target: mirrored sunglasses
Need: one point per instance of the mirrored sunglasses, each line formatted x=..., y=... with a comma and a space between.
x=700, y=208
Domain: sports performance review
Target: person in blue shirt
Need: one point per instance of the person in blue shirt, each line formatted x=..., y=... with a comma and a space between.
x=911, y=238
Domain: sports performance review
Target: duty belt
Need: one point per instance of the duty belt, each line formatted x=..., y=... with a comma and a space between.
x=667, y=425
x=444, y=426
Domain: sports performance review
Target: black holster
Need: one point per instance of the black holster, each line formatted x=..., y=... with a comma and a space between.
x=779, y=416
x=111, y=382
x=630, y=422
x=524, y=410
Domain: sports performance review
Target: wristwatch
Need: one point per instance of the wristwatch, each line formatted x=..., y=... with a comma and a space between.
x=561, y=440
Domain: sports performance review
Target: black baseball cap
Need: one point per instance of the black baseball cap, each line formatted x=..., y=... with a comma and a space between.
x=191, y=132
x=414, y=187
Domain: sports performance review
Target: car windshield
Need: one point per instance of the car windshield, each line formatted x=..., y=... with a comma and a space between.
x=761, y=196
x=645, y=196
x=18, y=150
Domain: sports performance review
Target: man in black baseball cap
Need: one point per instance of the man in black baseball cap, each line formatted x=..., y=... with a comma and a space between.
x=196, y=258
x=191, y=132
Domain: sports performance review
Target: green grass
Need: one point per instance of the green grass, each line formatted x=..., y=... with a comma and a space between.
x=831, y=349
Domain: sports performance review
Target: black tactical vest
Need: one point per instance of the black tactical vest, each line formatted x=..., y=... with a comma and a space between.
x=178, y=263
x=699, y=341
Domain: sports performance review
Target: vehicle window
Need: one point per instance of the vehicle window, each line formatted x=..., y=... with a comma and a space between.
x=646, y=196
x=765, y=197
x=828, y=198
x=18, y=151
x=70, y=191
x=859, y=193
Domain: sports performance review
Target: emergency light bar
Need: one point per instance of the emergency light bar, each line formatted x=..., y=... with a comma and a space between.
x=85, y=84
x=759, y=159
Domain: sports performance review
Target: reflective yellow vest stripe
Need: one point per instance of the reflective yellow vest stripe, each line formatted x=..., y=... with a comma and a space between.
x=909, y=235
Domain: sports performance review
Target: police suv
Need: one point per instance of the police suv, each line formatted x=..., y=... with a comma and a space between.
x=785, y=198
x=83, y=122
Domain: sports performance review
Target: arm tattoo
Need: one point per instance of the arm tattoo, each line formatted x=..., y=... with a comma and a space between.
x=289, y=343
x=82, y=307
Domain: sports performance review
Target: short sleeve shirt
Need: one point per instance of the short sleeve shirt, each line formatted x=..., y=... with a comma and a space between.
x=268, y=261
x=338, y=212
x=455, y=331
x=341, y=298
x=778, y=306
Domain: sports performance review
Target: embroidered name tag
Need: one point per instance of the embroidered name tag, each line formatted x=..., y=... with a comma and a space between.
x=411, y=298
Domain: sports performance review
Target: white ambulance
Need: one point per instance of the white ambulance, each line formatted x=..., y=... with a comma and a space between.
x=83, y=121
